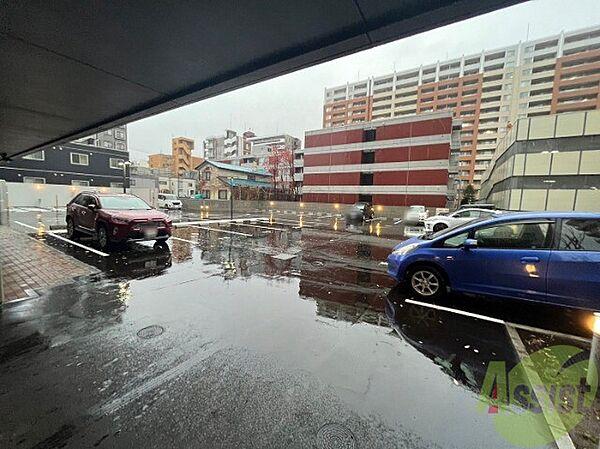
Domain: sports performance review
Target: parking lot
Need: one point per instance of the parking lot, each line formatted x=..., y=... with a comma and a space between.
x=277, y=330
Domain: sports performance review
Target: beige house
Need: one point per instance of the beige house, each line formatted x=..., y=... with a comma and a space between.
x=217, y=180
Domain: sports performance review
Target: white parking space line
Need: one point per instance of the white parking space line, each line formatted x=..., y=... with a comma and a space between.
x=295, y=224
x=222, y=230
x=555, y=425
x=498, y=321
x=71, y=242
x=259, y=227
x=456, y=311
x=287, y=220
x=183, y=240
x=224, y=220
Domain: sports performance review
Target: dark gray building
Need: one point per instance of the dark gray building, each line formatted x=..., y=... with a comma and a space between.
x=68, y=164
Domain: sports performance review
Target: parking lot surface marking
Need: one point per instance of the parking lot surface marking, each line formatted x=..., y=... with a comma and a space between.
x=498, y=321
x=224, y=220
x=259, y=227
x=221, y=230
x=71, y=242
x=457, y=311
x=183, y=240
x=555, y=425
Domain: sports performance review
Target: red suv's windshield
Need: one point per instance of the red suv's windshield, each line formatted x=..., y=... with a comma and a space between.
x=123, y=203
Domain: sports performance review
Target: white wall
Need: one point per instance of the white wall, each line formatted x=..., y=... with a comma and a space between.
x=22, y=194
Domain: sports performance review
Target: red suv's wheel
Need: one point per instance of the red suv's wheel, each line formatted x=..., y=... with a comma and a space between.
x=102, y=237
x=71, y=231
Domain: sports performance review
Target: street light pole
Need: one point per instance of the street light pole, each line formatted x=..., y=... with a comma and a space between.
x=231, y=198
x=125, y=165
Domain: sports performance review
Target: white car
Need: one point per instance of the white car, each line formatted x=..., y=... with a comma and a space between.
x=416, y=215
x=168, y=201
x=439, y=222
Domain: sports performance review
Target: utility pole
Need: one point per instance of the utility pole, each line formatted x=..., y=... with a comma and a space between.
x=126, y=164
x=231, y=198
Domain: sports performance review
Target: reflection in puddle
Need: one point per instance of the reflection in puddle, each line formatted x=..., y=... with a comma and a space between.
x=461, y=346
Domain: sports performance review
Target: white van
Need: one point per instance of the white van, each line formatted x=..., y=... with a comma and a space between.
x=168, y=201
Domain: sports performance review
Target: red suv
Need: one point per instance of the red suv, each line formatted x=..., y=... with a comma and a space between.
x=116, y=218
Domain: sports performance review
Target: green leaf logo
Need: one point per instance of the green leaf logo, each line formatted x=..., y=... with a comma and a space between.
x=542, y=398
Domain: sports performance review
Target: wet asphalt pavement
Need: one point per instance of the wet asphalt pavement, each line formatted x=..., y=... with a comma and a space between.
x=278, y=338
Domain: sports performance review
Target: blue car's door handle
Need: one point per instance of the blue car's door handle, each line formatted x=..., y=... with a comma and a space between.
x=529, y=259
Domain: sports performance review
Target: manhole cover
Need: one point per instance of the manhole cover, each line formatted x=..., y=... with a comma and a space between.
x=335, y=436
x=151, y=331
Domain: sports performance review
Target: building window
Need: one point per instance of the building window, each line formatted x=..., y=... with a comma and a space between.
x=120, y=146
x=77, y=182
x=222, y=194
x=80, y=159
x=107, y=144
x=207, y=175
x=120, y=135
x=34, y=180
x=116, y=185
x=116, y=163
x=369, y=135
x=206, y=194
x=109, y=132
x=37, y=156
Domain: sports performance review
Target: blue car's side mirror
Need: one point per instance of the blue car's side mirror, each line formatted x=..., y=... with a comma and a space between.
x=470, y=244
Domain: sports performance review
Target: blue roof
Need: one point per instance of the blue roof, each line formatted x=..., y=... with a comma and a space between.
x=237, y=168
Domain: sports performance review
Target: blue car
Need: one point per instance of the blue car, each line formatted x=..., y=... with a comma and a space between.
x=547, y=256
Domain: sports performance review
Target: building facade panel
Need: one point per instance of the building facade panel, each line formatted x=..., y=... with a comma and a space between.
x=377, y=169
x=353, y=157
x=333, y=197
x=548, y=163
x=335, y=138
x=419, y=153
x=408, y=200
x=411, y=177
x=332, y=179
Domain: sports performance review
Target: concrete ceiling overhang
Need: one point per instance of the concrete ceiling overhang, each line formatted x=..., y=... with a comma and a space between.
x=70, y=68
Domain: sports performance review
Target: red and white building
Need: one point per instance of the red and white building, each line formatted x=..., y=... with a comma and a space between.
x=396, y=162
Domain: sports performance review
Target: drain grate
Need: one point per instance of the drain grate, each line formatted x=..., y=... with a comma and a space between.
x=335, y=436
x=151, y=331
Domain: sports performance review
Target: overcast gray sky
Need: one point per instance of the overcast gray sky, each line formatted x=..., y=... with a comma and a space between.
x=292, y=103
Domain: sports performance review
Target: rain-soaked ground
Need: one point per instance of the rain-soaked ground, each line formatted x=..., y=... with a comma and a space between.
x=275, y=335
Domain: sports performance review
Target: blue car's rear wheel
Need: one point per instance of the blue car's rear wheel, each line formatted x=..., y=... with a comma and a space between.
x=426, y=282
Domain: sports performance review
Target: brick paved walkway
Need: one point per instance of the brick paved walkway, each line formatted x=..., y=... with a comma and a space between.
x=29, y=266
